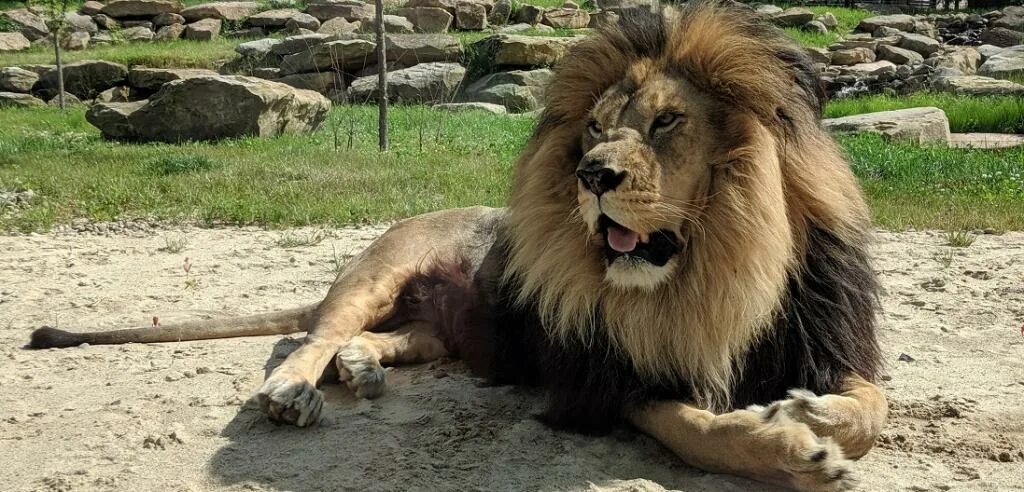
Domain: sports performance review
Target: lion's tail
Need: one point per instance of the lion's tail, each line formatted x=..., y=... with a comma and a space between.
x=279, y=323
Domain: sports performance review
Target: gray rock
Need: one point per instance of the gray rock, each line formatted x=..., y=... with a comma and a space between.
x=322, y=82
x=448, y=5
x=106, y=22
x=69, y=100
x=232, y=11
x=256, y=49
x=814, y=26
x=90, y=7
x=471, y=106
x=873, y=68
x=347, y=55
x=976, y=85
x=885, y=31
x=987, y=50
x=518, y=90
x=920, y=43
x=966, y=60
x=902, y=22
x=15, y=79
x=115, y=94
x=84, y=78
x=525, y=51
x=126, y=23
x=351, y=10
x=470, y=16
x=296, y=44
x=17, y=99
x=920, y=125
x=500, y=13
x=605, y=18
x=432, y=19
x=13, y=41
x=171, y=32
x=153, y=78
x=83, y=23
x=32, y=26
x=141, y=8
x=409, y=50
x=564, y=18
x=212, y=108
x=269, y=73
x=828, y=20
x=1008, y=62
x=393, y=24
x=763, y=9
x=852, y=56
x=76, y=41
x=338, y=26
x=1013, y=19
x=1002, y=37
x=423, y=83
x=302, y=21
x=168, y=20
x=272, y=18
x=203, y=30
x=819, y=55
x=899, y=56
x=529, y=14
x=792, y=17
x=137, y=34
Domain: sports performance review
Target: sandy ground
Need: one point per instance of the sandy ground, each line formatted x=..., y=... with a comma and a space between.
x=174, y=417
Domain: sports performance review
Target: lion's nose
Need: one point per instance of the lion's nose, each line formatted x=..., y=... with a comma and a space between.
x=599, y=178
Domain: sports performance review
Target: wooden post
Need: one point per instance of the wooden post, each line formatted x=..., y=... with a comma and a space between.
x=382, y=80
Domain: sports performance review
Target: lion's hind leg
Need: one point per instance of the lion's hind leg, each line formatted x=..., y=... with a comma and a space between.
x=361, y=361
x=854, y=418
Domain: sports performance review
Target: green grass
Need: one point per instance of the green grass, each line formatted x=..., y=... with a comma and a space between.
x=996, y=114
x=847, y=18
x=180, y=53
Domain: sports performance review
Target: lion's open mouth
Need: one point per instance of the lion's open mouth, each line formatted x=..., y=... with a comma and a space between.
x=658, y=248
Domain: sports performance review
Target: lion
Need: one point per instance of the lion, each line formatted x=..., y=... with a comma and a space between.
x=683, y=250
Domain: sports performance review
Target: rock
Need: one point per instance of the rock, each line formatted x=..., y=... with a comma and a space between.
x=422, y=83
x=792, y=17
x=212, y=108
x=605, y=18
x=69, y=100
x=987, y=50
x=1013, y=19
x=409, y=50
x=167, y=33
x=258, y=48
x=902, y=22
x=1008, y=62
x=272, y=18
x=17, y=99
x=500, y=13
x=295, y=44
x=232, y=11
x=448, y=5
x=203, y=30
x=470, y=16
x=925, y=29
x=899, y=56
x=393, y=24
x=819, y=55
x=920, y=43
x=566, y=18
x=965, y=60
x=814, y=26
x=920, y=125
x=39, y=69
x=141, y=8
x=873, y=68
x=84, y=78
x=168, y=20
x=246, y=32
x=79, y=23
x=1002, y=37
x=152, y=78
x=90, y=7
x=32, y=26
x=346, y=55
x=322, y=82
x=269, y=73
x=766, y=10
x=828, y=20
x=852, y=56
x=976, y=85
x=471, y=106
x=885, y=31
x=106, y=22
x=529, y=14
x=115, y=94
x=13, y=41
x=525, y=51
x=351, y=10
x=432, y=20
x=302, y=21
x=76, y=41
x=137, y=34
x=137, y=23
x=14, y=79
x=519, y=90
x=338, y=26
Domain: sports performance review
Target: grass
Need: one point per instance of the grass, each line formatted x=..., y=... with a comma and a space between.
x=847, y=19
x=174, y=243
x=959, y=239
x=180, y=53
x=996, y=114
x=295, y=240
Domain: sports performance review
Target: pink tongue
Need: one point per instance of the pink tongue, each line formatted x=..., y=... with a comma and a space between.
x=622, y=240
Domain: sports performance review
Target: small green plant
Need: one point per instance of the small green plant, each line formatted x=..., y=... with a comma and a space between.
x=180, y=164
x=959, y=239
x=174, y=243
x=339, y=260
x=191, y=283
x=7, y=25
x=293, y=240
x=945, y=258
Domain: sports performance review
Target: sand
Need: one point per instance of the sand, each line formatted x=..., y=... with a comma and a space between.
x=175, y=417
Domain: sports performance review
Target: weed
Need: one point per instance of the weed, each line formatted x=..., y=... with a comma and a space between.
x=180, y=164
x=296, y=240
x=959, y=239
x=174, y=243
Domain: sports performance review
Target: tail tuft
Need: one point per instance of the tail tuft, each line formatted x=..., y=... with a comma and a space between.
x=49, y=337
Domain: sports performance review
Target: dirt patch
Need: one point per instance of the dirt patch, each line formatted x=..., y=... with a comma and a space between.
x=175, y=416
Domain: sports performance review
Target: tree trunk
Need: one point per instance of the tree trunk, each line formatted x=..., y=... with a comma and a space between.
x=382, y=80
x=60, y=69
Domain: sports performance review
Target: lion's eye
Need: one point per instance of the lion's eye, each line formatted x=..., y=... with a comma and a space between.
x=665, y=122
x=594, y=128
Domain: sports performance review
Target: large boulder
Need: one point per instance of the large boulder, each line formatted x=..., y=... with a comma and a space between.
x=85, y=79
x=258, y=48
x=431, y=19
x=79, y=23
x=232, y=11
x=852, y=56
x=471, y=106
x=1008, y=62
x=347, y=55
x=920, y=43
x=525, y=51
x=500, y=13
x=964, y=59
x=899, y=56
x=351, y=10
x=138, y=33
x=301, y=21
x=14, y=79
x=141, y=8
x=164, y=20
x=338, y=26
x=17, y=99
x=322, y=82
x=13, y=41
x=902, y=22
x=920, y=125
x=299, y=43
x=151, y=79
x=566, y=18
x=470, y=16
x=1013, y=19
x=203, y=30
x=517, y=90
x=792, y=17
x=90, y=7
x=272, y=18
x=76, y=41
x=420, y=48
x=212, y=108
x=976, y=85
x=393, y=24
x=423, y=83
x=32, y=26
x=1002, y=37
x=877, y=67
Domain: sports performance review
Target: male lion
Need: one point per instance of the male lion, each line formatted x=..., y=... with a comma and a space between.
x=682, y=244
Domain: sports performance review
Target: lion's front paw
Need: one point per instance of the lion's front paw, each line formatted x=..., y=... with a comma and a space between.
x=802, y=406
x=290, y=399
x=360, y=370
x=808, y=462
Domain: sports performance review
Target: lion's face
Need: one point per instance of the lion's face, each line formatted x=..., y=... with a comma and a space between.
x=649, y=149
